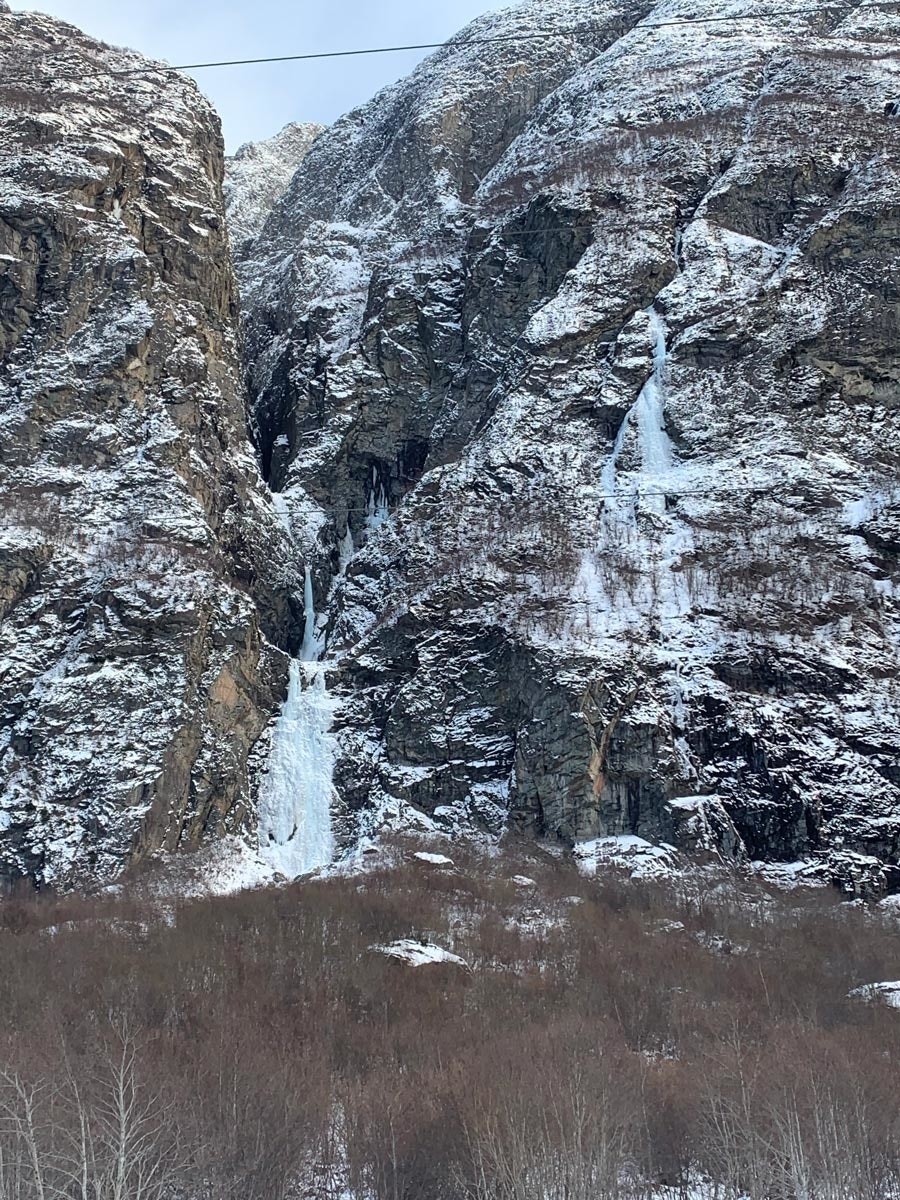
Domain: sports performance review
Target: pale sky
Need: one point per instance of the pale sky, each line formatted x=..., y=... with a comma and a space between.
x=255, y=102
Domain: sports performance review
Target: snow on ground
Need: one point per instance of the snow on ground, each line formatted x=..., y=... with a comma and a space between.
x=885, y=993
x=626, y=852
x=224, y=868
x=436, y=860
x=790, y=875
x=419, y=954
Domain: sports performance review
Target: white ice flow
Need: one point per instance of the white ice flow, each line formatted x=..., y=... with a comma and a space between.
x=648, y=415
x=656, y=448
x=295, y=833
x=635, y=522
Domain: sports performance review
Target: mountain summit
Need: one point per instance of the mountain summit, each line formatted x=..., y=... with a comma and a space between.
x=257, y=176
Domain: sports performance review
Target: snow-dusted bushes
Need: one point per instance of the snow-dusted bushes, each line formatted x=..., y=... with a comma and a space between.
x=612, y=1041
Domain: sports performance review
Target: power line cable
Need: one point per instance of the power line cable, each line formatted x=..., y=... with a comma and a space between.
x=545, y=35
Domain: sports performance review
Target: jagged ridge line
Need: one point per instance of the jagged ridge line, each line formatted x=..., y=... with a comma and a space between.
x=546, y=35
x=637, y=494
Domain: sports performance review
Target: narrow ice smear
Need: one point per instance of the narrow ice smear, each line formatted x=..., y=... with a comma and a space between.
x=295, y=833
x=346, y=552
x=377, y=511
x=312, y=647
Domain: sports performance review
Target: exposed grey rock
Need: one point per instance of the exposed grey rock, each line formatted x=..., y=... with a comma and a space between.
x=589, y=342
x=142, y=566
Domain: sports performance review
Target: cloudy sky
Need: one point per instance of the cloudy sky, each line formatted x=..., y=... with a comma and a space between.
x=256, y=101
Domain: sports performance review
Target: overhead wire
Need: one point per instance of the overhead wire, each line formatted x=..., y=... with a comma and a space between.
x=460, y=44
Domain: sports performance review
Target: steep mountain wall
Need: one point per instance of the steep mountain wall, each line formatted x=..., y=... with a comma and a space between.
x=574, y=360
x=142, y=565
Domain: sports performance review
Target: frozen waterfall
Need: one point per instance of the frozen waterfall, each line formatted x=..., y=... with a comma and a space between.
x=312, y=646
x=636, y=530
x=647, y=417
x=295, y=834
x=656, y=449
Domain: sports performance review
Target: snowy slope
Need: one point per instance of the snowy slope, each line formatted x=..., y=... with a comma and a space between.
x=579, y=353
x=257, y=176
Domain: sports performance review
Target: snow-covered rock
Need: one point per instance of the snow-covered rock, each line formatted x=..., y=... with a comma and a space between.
x=882, y=993
x=578, y=351
x=573, y=361
x=625, y=852
x=432, y=860
x=419, y=954
x=142, y=565
x=257, y=176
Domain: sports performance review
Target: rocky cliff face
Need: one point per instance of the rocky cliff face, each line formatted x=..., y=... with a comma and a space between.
x=574, y=360
x=142, y=566
x=257, y=176
x=573, y=364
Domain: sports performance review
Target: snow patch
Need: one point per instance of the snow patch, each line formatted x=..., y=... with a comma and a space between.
x=884, y=993
x=437, y=860
x=626, y=852
x=419, y=954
